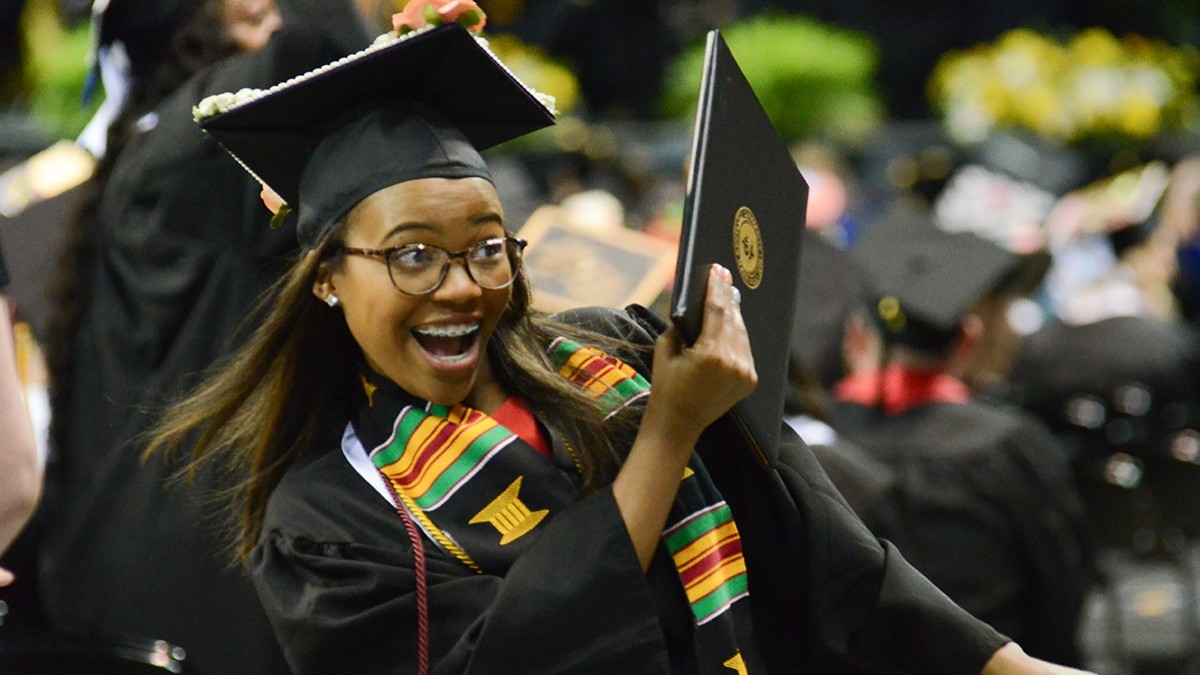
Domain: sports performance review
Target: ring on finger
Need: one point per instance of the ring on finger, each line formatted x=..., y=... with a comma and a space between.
x=737, y=294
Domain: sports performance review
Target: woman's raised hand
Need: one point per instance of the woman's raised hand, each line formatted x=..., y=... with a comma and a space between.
x=691, y=387
x=695, y=385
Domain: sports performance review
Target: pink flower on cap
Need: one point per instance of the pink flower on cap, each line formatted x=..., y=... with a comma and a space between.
x=419, y=13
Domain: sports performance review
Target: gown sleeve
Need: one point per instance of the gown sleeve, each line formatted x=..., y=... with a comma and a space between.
x=335, y=572
x=870, y=608
x=824, y=590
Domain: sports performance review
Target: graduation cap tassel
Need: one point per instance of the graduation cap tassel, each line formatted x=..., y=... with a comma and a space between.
x=279, y=216
x=92, y=83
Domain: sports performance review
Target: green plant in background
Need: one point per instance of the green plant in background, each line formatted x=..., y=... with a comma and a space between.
x=812, y=79
x=55, y=64
x=1092, y=86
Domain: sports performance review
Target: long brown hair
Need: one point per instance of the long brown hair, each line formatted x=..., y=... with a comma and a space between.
x=287, y=390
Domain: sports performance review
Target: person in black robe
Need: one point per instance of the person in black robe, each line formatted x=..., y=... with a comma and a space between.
x=830, y=290
x=983, y=501
x=434, y=478
x=1117, y=406
x=167, y=261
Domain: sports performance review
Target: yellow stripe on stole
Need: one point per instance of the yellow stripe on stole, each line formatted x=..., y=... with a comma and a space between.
x=429, y=429
x=577, y=365
x=694, y=552
x=597, y=383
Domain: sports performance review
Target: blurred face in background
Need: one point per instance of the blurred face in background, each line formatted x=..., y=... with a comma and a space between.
x=998, y=344
x=251, y=22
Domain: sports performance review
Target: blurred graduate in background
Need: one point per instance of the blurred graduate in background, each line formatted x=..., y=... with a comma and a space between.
x=162, y=263
x=982, y=500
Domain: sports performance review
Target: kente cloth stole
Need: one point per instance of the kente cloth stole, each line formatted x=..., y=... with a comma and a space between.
x=480, y=492
x=701, y=534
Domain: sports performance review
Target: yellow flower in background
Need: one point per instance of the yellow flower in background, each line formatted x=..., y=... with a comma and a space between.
x=1096, y=47
x=533, y=67
x=1041, y=111
x=1139, y=117
x=1091, y=85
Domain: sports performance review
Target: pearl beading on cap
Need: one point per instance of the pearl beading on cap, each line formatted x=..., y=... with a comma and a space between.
x=220, y=103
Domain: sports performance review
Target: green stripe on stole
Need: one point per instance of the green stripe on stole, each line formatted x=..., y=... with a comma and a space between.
x=698, y=512
x=410, y=419
x=622, y=382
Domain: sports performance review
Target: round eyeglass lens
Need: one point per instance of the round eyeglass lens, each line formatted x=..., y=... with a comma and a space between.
x=420, y=269
x=489, y=263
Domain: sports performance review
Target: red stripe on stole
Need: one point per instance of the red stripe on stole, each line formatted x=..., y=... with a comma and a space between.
x=596, y=368
x=442, y=435
x=729, y=549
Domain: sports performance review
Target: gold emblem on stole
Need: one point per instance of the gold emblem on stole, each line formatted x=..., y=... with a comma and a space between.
x=748, y=247
x=509, y=515
x=368, y=389
x=736, y=663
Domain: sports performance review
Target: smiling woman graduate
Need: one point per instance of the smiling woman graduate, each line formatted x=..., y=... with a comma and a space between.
x=431, y=476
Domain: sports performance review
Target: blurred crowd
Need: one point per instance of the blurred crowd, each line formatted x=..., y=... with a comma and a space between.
x=1049, y=288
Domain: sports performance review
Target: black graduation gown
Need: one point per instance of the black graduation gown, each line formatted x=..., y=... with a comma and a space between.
x=984, y=505
x=335, y=571
x=183, y=251
x=1129, y=385
x=866, y=482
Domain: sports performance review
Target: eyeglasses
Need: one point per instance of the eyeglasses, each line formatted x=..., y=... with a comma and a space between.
x=420, y=269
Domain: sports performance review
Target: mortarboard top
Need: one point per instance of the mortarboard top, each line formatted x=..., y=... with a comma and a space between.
x=1035, y=160
x=1062, y=361
x=1008, y=211
x=418, y=105
x=1128, y=199
x=995, y=206
x=745, y=209
x=926, y=279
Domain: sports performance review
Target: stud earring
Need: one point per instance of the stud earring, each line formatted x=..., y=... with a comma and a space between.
x=331, y=300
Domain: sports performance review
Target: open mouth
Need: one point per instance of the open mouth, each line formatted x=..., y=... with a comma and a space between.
x=449, y=344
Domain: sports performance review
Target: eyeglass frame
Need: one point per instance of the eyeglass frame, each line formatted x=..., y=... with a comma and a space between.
x=382, y=255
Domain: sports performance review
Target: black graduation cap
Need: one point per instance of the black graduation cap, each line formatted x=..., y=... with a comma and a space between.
x=1032, y=159
x=830, y=287
x=145, y=27
x=995, y=206
x=419, y=105
x=927, y=279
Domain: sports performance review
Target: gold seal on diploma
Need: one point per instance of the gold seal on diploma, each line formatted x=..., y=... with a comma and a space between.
x=748, y=247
